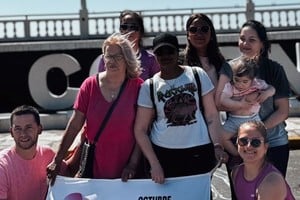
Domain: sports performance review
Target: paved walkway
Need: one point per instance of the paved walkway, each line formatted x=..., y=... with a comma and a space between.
x=293, y=128
x=53, y=136
x=220, y=183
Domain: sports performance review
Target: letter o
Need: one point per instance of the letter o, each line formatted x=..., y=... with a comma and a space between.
x=37, y=81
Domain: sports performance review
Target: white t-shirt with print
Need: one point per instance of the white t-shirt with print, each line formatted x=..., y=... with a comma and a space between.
x=179, y=122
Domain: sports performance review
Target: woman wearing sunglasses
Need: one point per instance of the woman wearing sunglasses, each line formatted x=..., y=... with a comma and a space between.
x=202, y=48
x=132, y=25
x=116, y=152
x=253, y=43
x=256, y=178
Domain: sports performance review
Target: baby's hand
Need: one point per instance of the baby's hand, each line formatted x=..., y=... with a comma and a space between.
x=252, y=97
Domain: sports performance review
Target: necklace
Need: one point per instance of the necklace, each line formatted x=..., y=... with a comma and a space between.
x=109, y=89
x=113, y=94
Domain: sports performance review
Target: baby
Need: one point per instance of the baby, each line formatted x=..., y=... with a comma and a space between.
x=244, y=89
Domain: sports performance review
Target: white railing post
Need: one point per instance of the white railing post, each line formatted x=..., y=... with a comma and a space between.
x=26, y=28
x=84, y=25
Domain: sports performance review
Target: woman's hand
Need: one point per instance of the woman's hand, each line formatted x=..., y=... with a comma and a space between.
x=53, y=170
x=253, y=97
x=157, y=173
x=220, y=154
x=263, y=95
x=246, y=103
x=128, y=172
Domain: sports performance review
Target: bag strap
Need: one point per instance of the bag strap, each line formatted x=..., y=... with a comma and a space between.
x=152, y=96
x=111, y=108
x=200, y=98
x=196, y=75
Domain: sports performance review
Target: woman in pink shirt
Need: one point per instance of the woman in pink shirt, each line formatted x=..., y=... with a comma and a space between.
x=116, y=153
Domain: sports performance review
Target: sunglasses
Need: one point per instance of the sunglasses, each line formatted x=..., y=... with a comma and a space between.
x=129, y=27
x=255, y=142
x=164, y=51
x=195, y=29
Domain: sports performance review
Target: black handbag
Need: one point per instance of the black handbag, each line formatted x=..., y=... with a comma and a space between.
x=86, y=160
x=88, y=148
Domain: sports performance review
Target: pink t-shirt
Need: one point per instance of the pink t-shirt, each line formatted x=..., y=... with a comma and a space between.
x=257, y=84
x=116, y=142
x=24, y=179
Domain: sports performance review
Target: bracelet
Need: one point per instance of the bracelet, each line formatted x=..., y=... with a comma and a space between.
x=218, y=145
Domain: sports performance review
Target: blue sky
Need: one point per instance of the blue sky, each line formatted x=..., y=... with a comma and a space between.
x=20, y=7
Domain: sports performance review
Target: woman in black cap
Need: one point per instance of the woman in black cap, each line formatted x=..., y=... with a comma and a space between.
x=185, y=127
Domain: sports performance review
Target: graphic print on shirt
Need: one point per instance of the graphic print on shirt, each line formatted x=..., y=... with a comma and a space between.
x=179, y=104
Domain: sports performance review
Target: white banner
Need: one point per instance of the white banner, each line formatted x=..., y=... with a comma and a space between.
x=179, y=188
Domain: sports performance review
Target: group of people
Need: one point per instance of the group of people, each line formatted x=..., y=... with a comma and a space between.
x=167, y=112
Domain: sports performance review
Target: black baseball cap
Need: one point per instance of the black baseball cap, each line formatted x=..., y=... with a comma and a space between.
x=165, y=39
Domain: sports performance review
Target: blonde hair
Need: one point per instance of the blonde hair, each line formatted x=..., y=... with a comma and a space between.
x=133, y=64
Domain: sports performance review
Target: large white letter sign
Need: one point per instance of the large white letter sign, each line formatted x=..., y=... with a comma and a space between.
x=95, y=66
x=37, y=81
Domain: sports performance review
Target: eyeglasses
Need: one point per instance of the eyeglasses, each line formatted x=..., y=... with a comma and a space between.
x=254, y=142
x=164, y=51
x=116, y=57
x=129, y=27
x=202, y=29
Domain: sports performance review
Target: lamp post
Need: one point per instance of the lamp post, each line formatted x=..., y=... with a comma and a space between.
x=250, y=7
x=83, y=4
x=84, y=24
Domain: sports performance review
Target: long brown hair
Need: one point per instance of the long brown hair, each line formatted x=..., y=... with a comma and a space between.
x=213, y=52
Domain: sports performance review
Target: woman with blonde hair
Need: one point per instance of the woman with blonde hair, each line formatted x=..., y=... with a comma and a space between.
x=116, y=153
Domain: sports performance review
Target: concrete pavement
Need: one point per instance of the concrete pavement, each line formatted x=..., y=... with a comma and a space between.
x=59, y=120
x=52, y=136
x=56, y=120
x=293, y=128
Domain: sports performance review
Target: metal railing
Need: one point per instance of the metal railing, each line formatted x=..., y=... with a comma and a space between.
x=86, y=25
